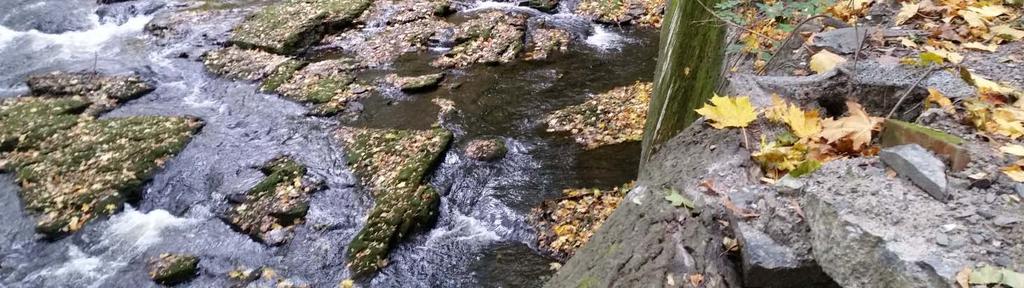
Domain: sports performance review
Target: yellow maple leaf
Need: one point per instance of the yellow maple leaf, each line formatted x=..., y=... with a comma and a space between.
x=856, y=128
x=776, y=111
x=906, y=12
x=1014, y=172
x=776, y=159
x=725, y=112
x=1013, y=149
x=803, y=124
x=824, y=61
x=936, y=98
x=1007, y=122
x=973, y=19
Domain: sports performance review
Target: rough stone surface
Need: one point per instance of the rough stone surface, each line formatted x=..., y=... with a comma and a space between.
x=271, y=209
x=414, y=84
x=242, y=64
x=543, y=5
x=490, y=38
x=546, y=41
x=922, y=167
x=103, y=91
x=486, y=149
x=895, y=133
x=289, y=27
x=172, y=269
x=392, y=165
x=326, y=84
x=612, y=117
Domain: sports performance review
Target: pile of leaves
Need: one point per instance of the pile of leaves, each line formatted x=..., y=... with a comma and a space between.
x=809, y=139
x=953, y=25
x=567, y=223
x=613, y=117
x=766, y=23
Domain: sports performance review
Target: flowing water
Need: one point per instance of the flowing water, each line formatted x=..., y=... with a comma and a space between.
x=481, y=237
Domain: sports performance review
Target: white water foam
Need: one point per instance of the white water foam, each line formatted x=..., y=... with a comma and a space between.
x=464, y=229
x=504, y=6
x=71, y=42
x=127, y=236
x=605, y=40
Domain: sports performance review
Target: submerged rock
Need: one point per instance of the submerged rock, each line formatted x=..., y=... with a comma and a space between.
x=613, y=117
x=172, y=269
x=486, y=149
x=417, y=83
x=922, y=167
x=272, y=208
x=393, y=165
x=289, y=27
x=243, y=64
x=490, y=38
x=105, y=92
x=636, y=12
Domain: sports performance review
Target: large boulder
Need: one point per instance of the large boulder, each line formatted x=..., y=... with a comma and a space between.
x=612, y=117
x=637, y=12
x=243, y=64
x=325, y=84
x=291, y=26
x=270, y=210
x=393, y=165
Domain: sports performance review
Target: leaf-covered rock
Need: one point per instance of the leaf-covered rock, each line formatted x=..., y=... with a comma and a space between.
x=244, y=64
x=393, y=165
x=566, y=223
x=637, y=12
x=171, y=269
x=325, y=84
x=271, y=209
x=490, y=38
x=288, y=27
x=613, y=117
x=103, y=91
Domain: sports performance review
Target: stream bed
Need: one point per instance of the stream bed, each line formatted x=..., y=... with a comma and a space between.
x=481, y=236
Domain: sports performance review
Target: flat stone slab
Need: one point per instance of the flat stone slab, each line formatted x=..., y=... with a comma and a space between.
x=289, y=27
x=895, y=133
x=922, y=167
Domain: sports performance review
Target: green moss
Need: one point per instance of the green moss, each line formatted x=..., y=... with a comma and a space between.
x=930, y=133
x=94, y=167
x=26, y=122
x=170, y=269
x=288, y=27
x=281, y=75
x=393, y=164
x=280, y=201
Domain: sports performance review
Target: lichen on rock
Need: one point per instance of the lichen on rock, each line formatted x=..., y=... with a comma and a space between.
x=393, y=164
x=566, y=223
x=273, y=207
x=325, y=83
x=94, y=167
x=243, y=64
x=636, y=12
x=490, y=38
x=613, y=117
x=291, y=26
x=172, y=269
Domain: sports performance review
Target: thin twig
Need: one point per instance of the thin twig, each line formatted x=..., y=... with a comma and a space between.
x=911, y=89
x=850, y=87
x=788, y=38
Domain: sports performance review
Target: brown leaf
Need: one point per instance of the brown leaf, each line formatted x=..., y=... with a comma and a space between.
x=855, y=128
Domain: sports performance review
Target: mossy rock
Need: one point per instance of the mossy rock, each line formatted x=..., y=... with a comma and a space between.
x=281, y=74
x=92, y=168
x=490, y=38
x=543, y=5
x=243, y=64
x=393, y=165
x=172, y=269
x=291, y=26
x=416, y=84
x=120, y=88
x=325, y=84
x=275, y=205
x=26, y=122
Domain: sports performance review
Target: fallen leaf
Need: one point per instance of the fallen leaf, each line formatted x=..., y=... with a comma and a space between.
x=1014, y=172
x=824, y=61
x=727, y=112
x=990, y=11
x=855, y=128
x=1005, y=31
x=985, y=275
x=776, y=159
x=907, y=42
x=936, y=98
x=730, y=244
x=803, y=124
x=347, y=283
x=736, y=210
x=962, y=278
x=980, y=46
x=806, y=167
x=696, y=279
x=906, y=12
x=1013, y=149
x=973, y=19
x=678, y=200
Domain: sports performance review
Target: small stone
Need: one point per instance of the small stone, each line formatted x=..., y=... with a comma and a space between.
x=977, y=239
x=942, y=240
x=1005, y=221
x=171, y=269
x=418, y=83
x=841, y=41
x=486, y=149
x=923, y=168
x=948, y=227
x=990, y=198
x=985, y=213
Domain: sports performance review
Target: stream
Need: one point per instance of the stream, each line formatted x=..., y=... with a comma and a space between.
x=481, y=237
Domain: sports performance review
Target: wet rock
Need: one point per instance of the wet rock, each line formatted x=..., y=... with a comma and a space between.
x=636, y=12
x=417, y=83
x=613, y=117
x=172, y=269
x=273, y=207
x=409, y=26
x=490, y=38
x=105, y=92
x=545, y=41
x=243, y=64
x=561, y=225
x=392, y=165
x=289, y=27
x=29, y=121
x=895, y=133
x=73, y=170
x=543, y=5
x=486, y=149
x=324, y=83
x=923, y=169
